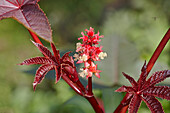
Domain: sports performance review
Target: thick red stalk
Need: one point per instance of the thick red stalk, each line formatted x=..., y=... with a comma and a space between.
x=150, y=64
x=119, y=107
x=158, y=51
x=124, y=103
x=81, y=85
x=89, y=96
x=35, y=38
x=72, y=85
x=90, y=86
x=94, y=104
x=124, y=109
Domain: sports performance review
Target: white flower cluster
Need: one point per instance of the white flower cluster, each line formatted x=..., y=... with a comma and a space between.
x=102, y=55
x=83, y=72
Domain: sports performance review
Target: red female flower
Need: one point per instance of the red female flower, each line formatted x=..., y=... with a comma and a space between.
x=88, y=52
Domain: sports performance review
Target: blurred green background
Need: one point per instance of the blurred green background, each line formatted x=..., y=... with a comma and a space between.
x=132, y=31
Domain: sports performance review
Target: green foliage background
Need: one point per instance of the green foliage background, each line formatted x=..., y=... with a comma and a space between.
x=132, y=31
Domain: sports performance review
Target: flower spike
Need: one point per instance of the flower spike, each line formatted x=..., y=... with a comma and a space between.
x=88, y=52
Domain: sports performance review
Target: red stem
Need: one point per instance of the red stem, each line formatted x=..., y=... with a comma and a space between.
x=94, y=104
x=72, y=85
x=123, y=103
x=158, y=51
x=81, y=85
x=124, y=109
x=90, y=97
x=150, y=64
x=90, y=86
x=35, y=38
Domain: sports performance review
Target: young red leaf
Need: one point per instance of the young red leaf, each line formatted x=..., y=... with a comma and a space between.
x=122, y=89
x=71, y=71
x=143, y=76
x=44, y=50
x=28, y=13
x=158, y=77
x=61, y=65
x=153, y=104
x=134, y=104
x=68, y=59
x=37, y=60
x=66, y=56
x=145, y=90
x=125, y=89
x=131, y=80
x=40, y=74
x=56, y=53
x=159, y=91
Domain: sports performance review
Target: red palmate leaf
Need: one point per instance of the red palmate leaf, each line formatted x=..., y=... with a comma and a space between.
x=146, y=91
x=66, y=56
x=145, y=86
x=28, y=13
x=56, y=53
x=37, y=60
x=125, y=89
x=68, y=59
x=40, y=74
x=61, y=65
x=158, y=77
x=58, y=72
x=131, y=80
x=143, y=76
x=159, y=91
x=44, y=50
x=153, y=104
x=134, y=104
